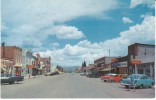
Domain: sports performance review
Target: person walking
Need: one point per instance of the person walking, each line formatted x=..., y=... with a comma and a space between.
x=132, y=84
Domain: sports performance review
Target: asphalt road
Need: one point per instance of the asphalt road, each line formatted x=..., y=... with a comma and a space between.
x=71, y=86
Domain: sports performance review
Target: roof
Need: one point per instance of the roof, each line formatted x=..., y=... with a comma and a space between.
x=142, y=44
x=139, y=74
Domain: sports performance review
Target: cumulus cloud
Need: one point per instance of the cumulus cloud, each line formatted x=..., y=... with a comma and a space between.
x=68, y=32
x=126, y=20
x=85, y=50
x=149, y=3
x=38, y=18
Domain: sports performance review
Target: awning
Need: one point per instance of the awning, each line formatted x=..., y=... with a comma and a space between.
x=105, y=69
x=18, y=65
x=30, y=66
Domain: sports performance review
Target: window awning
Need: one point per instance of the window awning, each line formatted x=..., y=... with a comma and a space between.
x=18, y=65
x=30, y=66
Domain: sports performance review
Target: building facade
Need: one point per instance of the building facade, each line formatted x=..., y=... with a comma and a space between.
x=141, y=59
x=14, y=53
x=28, y=65
x=104, y=65
x=46, y=64
x=122, y=65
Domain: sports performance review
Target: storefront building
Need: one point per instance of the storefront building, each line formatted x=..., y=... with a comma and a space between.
x=28, y=66
x=104, y=65
x=6, y=66
x=141, y=59
x=46, y=64
x=14, y=53
x=122, y=65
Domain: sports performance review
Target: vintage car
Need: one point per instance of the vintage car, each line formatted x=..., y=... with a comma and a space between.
x=94, y=74
x=6, y=79
x=82, y=74
x=137, y=80
x=111, y=77
x=11, y=78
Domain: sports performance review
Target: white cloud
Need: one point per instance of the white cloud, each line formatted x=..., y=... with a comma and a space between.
x=85, y=50
x=126, y=20
x=38, y=18
x=149, y=3
x=68, y=32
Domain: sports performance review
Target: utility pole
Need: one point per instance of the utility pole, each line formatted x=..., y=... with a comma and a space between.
x=110, y=63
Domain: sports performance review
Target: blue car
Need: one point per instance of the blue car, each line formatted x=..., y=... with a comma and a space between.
x=137, y=80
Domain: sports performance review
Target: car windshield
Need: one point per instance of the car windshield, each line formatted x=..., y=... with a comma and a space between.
x=134, y=76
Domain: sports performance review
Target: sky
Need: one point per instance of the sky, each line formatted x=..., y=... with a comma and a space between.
x=71, y=31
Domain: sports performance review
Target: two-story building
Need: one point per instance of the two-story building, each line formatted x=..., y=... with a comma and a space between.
x=141, y=59
x=13, y=54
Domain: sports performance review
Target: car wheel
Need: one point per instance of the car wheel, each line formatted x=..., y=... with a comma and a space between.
x=126, y=86
x=141, y=86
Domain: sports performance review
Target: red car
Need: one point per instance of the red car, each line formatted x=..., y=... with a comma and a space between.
x=111, y=77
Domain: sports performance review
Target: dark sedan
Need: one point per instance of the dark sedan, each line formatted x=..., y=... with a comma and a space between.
x=11, y=78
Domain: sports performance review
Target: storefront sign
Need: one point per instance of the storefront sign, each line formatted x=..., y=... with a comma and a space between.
x=115, y=64
x=114, y=60
x=30, y=66
x=122, y=64
x=135, y=62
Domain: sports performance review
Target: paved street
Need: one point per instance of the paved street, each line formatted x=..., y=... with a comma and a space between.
x=70, y=85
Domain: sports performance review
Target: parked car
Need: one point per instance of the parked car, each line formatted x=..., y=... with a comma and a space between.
x=11, y=78
x=82, y=74
x=87, y=74
x=137, y=80
x=111, y=77
x=17, y=78
x=54, y=73
x=6, y=79
x=94, y=74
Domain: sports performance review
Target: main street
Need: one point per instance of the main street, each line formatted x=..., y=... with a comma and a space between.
x=71, y=85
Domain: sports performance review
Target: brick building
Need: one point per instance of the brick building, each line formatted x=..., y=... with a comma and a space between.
x=14, y=53
x=122, y=65
x=103, y=64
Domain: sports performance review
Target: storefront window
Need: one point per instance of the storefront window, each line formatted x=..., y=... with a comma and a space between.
x=140, y=71
x=147, y=72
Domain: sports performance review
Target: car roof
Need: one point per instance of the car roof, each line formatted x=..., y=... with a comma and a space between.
x=139, y=75
x=111, y=74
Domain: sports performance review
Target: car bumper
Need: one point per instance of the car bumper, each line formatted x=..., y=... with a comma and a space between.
x=124, y=84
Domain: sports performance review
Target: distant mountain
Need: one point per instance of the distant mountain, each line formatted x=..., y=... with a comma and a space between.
x=70, y=69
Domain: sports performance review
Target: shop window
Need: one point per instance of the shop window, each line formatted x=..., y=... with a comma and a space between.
x=140, y=71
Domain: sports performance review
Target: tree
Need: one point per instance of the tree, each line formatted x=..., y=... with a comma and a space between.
x=84, y=63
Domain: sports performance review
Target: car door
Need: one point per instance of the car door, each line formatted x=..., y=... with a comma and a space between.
x=145, y=81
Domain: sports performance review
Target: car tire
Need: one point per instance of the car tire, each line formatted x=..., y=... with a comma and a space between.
x=141, y=86
x=151, y=85
x=126, y=86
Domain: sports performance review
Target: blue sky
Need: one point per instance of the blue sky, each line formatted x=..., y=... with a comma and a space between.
x=74, y=31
